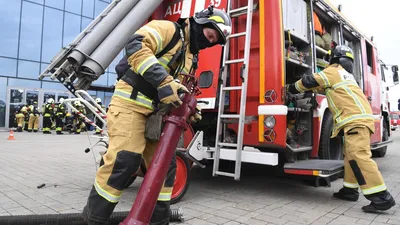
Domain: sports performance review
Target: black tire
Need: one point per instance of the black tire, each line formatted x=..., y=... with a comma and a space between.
x=182, y=177
x=381, y=152
x=329, y=148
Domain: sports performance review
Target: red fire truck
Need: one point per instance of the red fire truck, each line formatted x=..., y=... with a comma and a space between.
x=247, y=116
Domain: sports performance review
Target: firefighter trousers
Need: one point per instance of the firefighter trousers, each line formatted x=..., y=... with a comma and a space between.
x=46, y=124
x=359, y=169
x=20, y=121
x=33, y=122
x=127, y=147
x=59, y=123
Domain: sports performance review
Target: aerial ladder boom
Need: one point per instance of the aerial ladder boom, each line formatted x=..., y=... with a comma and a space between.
x=86, y=58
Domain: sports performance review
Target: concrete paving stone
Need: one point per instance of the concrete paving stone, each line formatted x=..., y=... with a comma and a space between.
x=378, y=223
x=57, y=206
x=256, y=222
x=19, y=211
x=196, y=221
x=322, y=221
x=9, y=204
x=225, y=214
x=344, y=219
x=28, y=203
x=393, y=221
x=271, y=219
x=216, y=219
x=232, y=223
x=293, y=223
x=245, y=218
x=364, y=221
x=381, y=219
x=249, y=206
x=358, y=213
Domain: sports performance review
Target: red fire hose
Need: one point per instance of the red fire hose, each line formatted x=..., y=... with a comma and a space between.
x=175, y=123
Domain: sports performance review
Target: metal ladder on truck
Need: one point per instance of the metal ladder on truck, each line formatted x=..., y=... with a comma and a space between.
x=248, y=10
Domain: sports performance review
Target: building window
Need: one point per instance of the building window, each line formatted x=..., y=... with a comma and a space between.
x=31, y=31
x=28, y=69
x=23, y=83
x=74, y=6
x=9, y=23
x=37, y=1
x=72, y=27
x=59, y=4
x=102, y=81
x=85, y=23
x=8, y=67
x=52, y=33
x=87, y=8
x=100, y=6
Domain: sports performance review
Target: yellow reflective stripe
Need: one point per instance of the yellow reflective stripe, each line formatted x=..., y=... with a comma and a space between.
x=156, y=36
x=355, y=117
x=350, y=185
x=332, y=104
x=343, y=83
x=185, y=70
x=164, y=196
x=108, y=196
x=298, y=87
x=217, y=19
x=163, y=61
x=140, y=99
x=47, y=114
x=143, y=66
x=356, y=100
x=324, y=78
x=374, y=190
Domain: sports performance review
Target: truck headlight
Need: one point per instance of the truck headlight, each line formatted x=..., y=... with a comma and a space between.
x=269, y=122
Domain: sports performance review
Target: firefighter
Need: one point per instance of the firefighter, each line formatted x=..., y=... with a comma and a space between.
x=47, y=115
x=130, y=107
x=20, y=117
x=78, y=120
x=33, y=117
x=98, y=122
x=354, y=120
x=60, y=114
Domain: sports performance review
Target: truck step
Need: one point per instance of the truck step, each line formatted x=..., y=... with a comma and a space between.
x=314, y=167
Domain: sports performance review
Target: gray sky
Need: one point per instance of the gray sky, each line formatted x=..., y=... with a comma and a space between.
x=381, y=20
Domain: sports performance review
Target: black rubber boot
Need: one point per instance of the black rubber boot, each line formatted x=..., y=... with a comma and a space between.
x=348, y=194
x=380, y=201
x=59, y=132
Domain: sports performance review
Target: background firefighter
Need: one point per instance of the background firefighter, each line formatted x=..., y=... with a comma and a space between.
x=152, y=76
x=60, y=114
x=47, y=115
x=78, y=121
x=353, y=118
x=98, y=122
x=34, y=116
x=20, y=117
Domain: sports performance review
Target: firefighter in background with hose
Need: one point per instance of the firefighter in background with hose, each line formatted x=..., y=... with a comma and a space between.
x=78, y=120
x=60, y=114
x=47, y=115
x=147, y=78
x=353, y=119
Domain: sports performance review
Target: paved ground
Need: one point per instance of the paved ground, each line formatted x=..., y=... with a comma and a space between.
x=259, y=198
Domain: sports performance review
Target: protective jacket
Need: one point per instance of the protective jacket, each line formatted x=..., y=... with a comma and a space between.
x=48, y=110
x=346, y=100
x=141, y=52
x=34, y=110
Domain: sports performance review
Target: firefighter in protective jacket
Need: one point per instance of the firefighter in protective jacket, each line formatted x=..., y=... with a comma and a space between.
x=34, y=116
x=47, y=115
x=60, y=112
x=147, y=80
x=20, y=117
x=98, y=122
x=353, y=118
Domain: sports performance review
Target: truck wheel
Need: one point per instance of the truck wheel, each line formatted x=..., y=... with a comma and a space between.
x=381, y=152
x=329, y=148
x=181, y=183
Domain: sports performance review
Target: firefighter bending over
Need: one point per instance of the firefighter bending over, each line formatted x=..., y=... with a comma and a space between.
x=60, y=112
x=78, y=120
x=98, y=122
x=20, y=118
x=353, y=118
x=34, y=116
x=152, y=76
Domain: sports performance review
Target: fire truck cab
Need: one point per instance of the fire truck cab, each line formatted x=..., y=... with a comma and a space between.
x=248, y=117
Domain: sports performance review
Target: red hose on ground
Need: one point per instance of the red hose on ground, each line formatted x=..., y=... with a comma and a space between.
x=175, y=123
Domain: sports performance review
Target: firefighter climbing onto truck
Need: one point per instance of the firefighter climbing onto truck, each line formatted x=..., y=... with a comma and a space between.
x=353, y=119
x=155, y=56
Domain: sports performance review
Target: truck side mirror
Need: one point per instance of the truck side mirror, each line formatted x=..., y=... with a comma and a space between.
x=395, y=75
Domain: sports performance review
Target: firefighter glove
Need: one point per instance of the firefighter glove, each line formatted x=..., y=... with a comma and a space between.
x=169, y=90
x=197, y=116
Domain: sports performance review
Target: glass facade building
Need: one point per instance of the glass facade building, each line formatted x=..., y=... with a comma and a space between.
x=32, y=33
